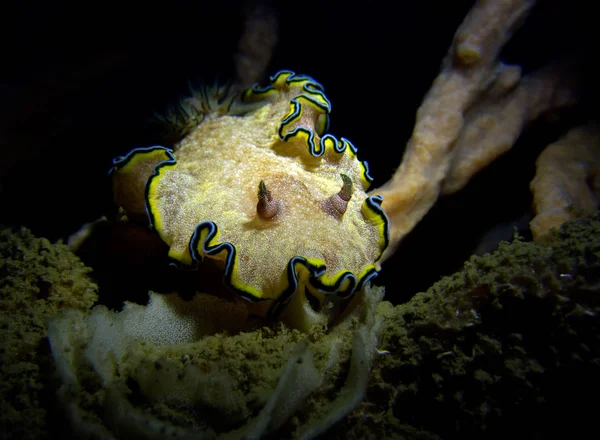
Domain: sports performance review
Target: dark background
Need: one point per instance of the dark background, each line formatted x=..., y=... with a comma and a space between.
x=79, y=83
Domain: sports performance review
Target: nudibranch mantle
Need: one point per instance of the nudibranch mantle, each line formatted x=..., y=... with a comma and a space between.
x=279, y=204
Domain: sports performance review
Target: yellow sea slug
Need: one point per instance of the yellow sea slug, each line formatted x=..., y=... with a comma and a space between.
x=259, y=188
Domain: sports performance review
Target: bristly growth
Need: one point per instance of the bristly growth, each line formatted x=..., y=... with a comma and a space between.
x=182, y=117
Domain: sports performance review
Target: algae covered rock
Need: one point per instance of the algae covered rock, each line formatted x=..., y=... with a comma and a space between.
x=37, y=279
x=507, y=346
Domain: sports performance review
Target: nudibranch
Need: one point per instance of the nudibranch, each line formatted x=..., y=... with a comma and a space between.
x=259, y=188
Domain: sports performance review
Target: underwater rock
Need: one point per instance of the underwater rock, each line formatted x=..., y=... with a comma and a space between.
x=37, y=279
x=507, y=346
